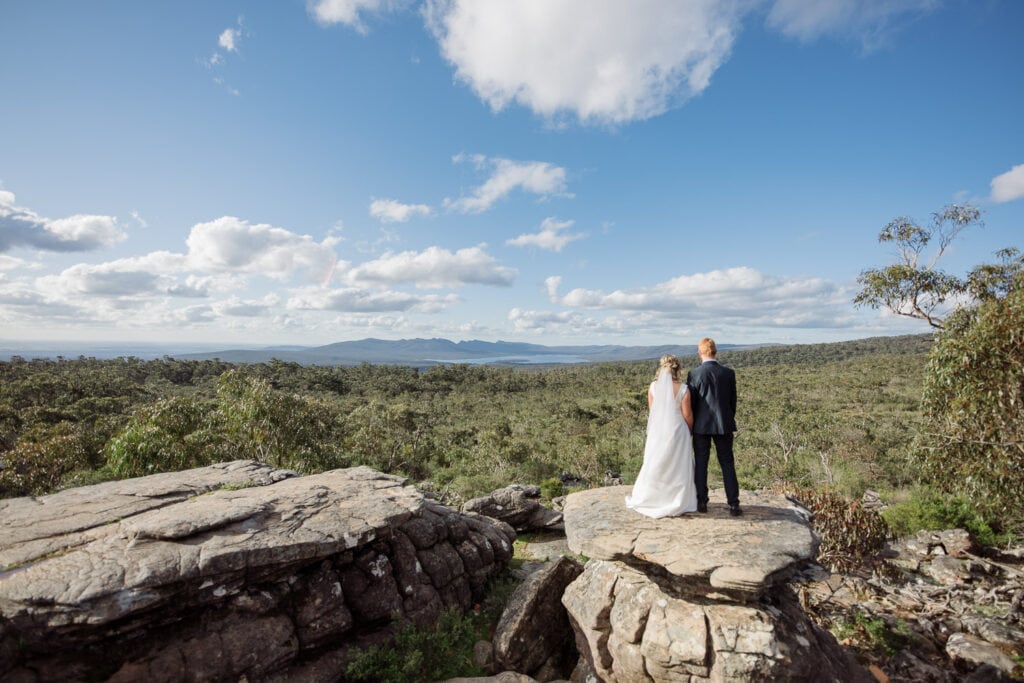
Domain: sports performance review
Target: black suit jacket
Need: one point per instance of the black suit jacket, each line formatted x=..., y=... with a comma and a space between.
x=713, y=398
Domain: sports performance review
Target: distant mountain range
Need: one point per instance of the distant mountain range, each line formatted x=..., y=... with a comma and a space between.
x=427, y=352
x=424, y=352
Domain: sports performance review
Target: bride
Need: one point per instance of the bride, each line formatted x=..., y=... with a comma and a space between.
x=665, y=485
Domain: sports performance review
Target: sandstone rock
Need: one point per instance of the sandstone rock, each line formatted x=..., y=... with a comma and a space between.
x=544, y=547
x=711, y=554
x=999, y=634
x=947, y=570
x=906, y=667
x=34, y=527
x=986, y=673
x=973, y=651
x=503, y=677
x=517, y=505
x=872, y=500
x=534, y=627
x=234, y=570
x=630, y=628
x=483, y=655
x=952, y=542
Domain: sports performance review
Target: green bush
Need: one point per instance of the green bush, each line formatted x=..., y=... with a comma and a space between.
x=873, y=634
x=421, y=655
x=42, y=457
x=172, y=434
x=974, y=404
x=275, y=427
x=551, y=488
x=928, y=510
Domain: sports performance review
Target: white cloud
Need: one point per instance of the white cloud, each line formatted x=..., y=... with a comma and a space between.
x=241, y=308
x=230, y=244
x=741, y=295
x=21, y=227
x=612, y=62
x=870, y=21
x=192, y=315
x=130, y=278
x=101, y=281
x=229, y=39
x=22, y=301
x=1009, y=185
x=353, y=299
x=539, y=322
x=603, y=61
x=12, y=263
x=550, y=237
x=434, y=267
x=393, y=211
x=536, y=177
x=101, y=231
x=349, y=12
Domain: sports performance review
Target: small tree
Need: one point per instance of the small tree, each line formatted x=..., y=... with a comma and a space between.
x=973, y=440
x=974, y=395
x=914, y=287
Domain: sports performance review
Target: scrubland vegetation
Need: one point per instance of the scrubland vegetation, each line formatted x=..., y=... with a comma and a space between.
x=841, y=416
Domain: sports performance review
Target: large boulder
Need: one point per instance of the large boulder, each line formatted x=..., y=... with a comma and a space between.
x=713, y=553
x=234, y=570
x=518, y=506
x=630, y=628
x=534, y=629
x=696, y=597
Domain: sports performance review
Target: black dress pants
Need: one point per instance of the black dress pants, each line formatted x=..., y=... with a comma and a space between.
x=702, y=455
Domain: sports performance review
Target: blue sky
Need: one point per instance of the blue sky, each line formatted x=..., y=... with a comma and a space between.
x=553, y=171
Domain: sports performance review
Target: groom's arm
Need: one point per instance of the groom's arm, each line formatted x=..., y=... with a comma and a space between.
x=732, y=394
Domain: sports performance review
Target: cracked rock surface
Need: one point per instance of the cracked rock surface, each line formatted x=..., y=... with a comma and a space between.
x=233, y=570
x=696, y=597
x=712, y=553
x=630, y=629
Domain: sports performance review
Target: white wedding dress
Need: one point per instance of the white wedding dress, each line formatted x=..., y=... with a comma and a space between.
x=665, y=484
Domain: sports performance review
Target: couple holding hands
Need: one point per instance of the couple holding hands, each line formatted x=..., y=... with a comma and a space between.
x=685, y=418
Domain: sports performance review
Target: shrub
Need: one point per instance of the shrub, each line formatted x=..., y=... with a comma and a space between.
x=850, y=535
x=974, y=404
x=41, y=458
x=276, y=427
x=421, y=655
x=170, y=435
x=551, y=488
x=928, y=510
x=873, y=634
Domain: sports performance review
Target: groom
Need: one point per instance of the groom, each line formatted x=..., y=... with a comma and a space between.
x=713, y=396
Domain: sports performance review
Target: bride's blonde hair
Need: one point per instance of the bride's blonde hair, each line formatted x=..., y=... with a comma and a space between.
x=670, y=363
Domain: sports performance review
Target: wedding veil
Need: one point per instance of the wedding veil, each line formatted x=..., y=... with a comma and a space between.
x=665, y=415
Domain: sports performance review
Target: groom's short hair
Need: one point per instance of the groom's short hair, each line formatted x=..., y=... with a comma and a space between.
x=707, y=347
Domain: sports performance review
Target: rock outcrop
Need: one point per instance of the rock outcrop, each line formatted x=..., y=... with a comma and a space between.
x=950, y=612
x=696, y=597
x=234, y=570
x=534, y=635
x=518, y=506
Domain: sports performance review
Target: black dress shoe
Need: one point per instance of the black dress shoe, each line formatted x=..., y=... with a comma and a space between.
x=702, y=507
x=735, y=510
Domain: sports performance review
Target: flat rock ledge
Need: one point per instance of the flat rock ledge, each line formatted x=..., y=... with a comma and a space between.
x=699, y=597
x=228, y=571
x=709, y=554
